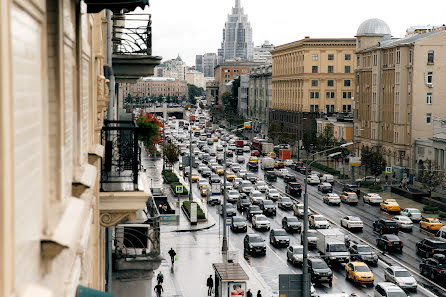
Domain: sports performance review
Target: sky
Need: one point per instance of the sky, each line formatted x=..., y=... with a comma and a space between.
x=191, y=27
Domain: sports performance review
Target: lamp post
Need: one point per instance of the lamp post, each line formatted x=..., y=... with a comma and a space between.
x=305, y=291
x=353, y=139
x=190, y=163
x=224, y=246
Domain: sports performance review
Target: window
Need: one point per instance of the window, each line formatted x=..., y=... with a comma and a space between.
x=410, y=57
x=359, y=43
x=347, y=69
x=349, y=108
x=428, y=118
x=398, y=56
x=236, y=70
x=374, y=79
x=327, y=95
x=375, y=60
x=397, y=97
x=358, y=61
x=429, y=98
x=332, y=108
x=330, y=83
x=330, y=57
x=311, y=95
x=311, y=108
x=397, y=78
x=226, y=70
x=327, y=108
x=344, y=108
x=314, y=83
x=244, y=70
x=430, y=57
x=227, y=76
x=348, y=57
x=347, y=83
x=430, y=78
x=396, y=136
x=314, y=57
x=314, y=69
x=397, y=117
x=330, y=95
x=316, y=108
x=330, y=69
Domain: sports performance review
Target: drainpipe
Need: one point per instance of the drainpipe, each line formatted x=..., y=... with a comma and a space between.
x=111, y=87
x=411, y=148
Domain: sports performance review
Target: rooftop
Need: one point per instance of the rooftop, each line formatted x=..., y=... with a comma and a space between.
x=373, y=27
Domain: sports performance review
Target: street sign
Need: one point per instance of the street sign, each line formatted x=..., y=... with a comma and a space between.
x=228, y=221
x=388, y=169
x=355, y=161
x=179, y=189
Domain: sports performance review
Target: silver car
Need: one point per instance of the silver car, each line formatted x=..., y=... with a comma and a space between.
x=233, y=196
x=401, y=277
x=403, y=222
x=295, y=254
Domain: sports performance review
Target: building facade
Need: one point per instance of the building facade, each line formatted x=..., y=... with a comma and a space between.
x=175, y=68
x=243, y=96
x=398, y=94
x=196, y=78
x=260, y=96
x=237, y=41
x=154, y=87
x=262, y=53
x=206, y=64
x=342, y=127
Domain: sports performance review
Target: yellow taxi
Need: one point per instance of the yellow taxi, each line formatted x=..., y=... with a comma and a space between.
x=219, y=170
x=230, y=176
x=390, y=205
x=215, y=139
x=194, y=128
x=278, y=164
x=204, y=188
x=430, y=224
x=271, y=155
x=253, y=159
x=195, y=177
x=359, y=273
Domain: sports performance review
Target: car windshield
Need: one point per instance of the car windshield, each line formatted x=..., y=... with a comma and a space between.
x=319, y=219
x=392, y=238
x=257, y=194
x=338, y=247
x=268, y=202
x=261, y=218
x=355, y=219
x=280, y=233
x=435, y=221
x=254, y=207
x=233, y=193
x=286, y=199
x=250, y=175
x=320, y=265
x=246, y=184
x=402, y=273
x=256, y=239
x=261, y=183
x=364, y=249
x=353, y=187
x=362, y=269
x=237, y=219
x=292, y=219
x=273, y=191
x=405, y=219
x=396, y=294
x=298, y=250
x=440, y=245
x=414, y=211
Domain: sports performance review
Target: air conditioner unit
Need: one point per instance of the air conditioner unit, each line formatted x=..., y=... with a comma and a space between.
x=429, y=85
x=133, y=238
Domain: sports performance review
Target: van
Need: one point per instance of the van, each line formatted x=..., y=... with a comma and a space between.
x=328, y=178
x=441, y=233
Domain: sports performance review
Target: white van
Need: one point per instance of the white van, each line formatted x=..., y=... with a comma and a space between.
x=327, y=178
x=441, y=233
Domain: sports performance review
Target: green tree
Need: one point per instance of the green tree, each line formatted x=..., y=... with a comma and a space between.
x=128, y=98
x=194, y=91
x=171, y=153
x=373, y=161
x=431, y=176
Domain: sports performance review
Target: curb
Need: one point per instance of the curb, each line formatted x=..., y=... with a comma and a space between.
x=195, y=230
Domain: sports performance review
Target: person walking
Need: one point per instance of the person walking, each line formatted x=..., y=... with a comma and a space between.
x=172, y=255
x=210, y=285
x=248, y=293
x=259, y=294
x=158, y=289
x=160, y=277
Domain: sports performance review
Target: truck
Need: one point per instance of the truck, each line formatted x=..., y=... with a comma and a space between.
x=267, y=163
x=284, y=155
x=239, y=143
x=331, y=245
x=267, y=148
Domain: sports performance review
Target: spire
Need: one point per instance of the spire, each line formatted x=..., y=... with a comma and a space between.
x=237, y=4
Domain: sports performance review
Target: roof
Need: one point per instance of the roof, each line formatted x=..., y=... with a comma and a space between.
x=230, y=272
x=405, y=40
x=373, y=27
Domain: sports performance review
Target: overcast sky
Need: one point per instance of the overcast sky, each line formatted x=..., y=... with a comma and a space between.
x=191, y=27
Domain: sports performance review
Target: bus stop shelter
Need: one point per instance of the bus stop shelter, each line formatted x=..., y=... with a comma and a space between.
x=230, y=280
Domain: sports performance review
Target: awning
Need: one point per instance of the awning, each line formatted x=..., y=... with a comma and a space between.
x=94, y=6
x=230, y=272
x=87, y=292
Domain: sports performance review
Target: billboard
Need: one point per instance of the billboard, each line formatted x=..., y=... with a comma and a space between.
x=237, y=289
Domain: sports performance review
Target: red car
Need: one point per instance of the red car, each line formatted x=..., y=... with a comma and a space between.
x=255, y=153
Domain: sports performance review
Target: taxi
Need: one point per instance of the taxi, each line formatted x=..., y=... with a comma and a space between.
x=215, y=139
x=430, y=224
x=195, y=177
x=219, y=170
x=278, y=164
x=230, y=176
x=271, y=155
x=204, y=188
x=359, y=273
x=254, y=159
x=390, y=205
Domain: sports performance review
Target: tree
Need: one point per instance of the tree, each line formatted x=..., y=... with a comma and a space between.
x=128, y=99
x=326, y=139
x=373, y=161
x=194, y=91
x=201, y=105
x=171, y=153
x=431, y=177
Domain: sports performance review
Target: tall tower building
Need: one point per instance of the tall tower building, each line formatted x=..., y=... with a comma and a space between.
x=237, y=36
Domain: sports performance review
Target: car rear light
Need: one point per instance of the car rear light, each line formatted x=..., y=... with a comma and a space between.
x=385, y=227
x=390, y=243
x=433, y=251
x=401, y=243
x=440, y=271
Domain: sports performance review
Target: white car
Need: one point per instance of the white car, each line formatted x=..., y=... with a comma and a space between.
x=245, y=187
x=237, y=181
x=233, y=195
x=236, y=167
x=319, y=222
x=372, y=198
x=281, y=172
x=246, y=149
x=261, y=186
x=242, y=173
x=288, y=163
x=349, y=197
x=232, y=147
x=260, y=222
x=327, y=178
x=401, y=277
x=272, y=194
x=219, y=148
x=256, y=197
x=313, y=180
x=403, y=222
x=412, y=213
x=352, y=222
x=387, y=289
x=332, y=199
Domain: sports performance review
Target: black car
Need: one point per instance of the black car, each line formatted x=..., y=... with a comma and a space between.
x=363, y=253
x=230, y=210
x=229, y=154
x=239, y=151
x=206, y=172
x=291, y=224
x=278, y=237
x=434, y=268
x=384, y=226
x=254, y=244
x=243, y=203
x=270, y=176
x=431, y=246
x=252, y=211
x=389, y=242
x=268, y=207
x=285, y=203
x=298, y=165
x=238, y=224
x=319, y=271
x=352, y=188
x=289, y=178
x=293, y=189
x=253, y=166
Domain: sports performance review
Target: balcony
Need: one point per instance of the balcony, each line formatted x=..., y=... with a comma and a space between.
x=116, y=6
x=132, y=47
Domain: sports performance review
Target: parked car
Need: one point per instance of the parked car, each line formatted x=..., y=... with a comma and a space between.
x=285, y=203
x=389, y=242
x=364, y=253
x=238, y=224
x=319, y=271
x=434, y=268
x=279, y=237
x=401, y=277
x=254, y=244
x=291, y=224
x=372, y=198
x=295, y=254
x=385, y=226
x=431, y=246
x=293, y=189
x=325, y=187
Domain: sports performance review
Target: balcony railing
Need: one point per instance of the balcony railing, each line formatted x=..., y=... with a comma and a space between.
x=132, y=34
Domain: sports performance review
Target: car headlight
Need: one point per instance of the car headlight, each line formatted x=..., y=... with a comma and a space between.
x=250, y=246
x=332, y=258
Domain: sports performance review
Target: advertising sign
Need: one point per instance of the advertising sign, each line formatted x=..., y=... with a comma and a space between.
x=237, y=289
x=355, y=161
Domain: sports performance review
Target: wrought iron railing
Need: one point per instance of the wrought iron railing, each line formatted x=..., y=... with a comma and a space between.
x=132, y=34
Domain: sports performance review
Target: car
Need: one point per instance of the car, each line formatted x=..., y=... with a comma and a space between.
x=318, y=222
x=364, y=253
x=195, y=177
x=271, y=155
x=434, y=268
x=349, y=197
x=201, y=182
x=204, y=189
x=401, y=277
x=325, y=187
x=236, y=167
x=387, y=289
x=243, y=203
x=385, y=226
x=230, y=176
x=327, y=178
x=256, y=197
x=291, y=224
x=279, y=237
x=351, y=188
x=312, y=238
x=403, y=222
x=268, y=207
x=206, y=172
x=368, y=179
x=242, y=173
x=389, y=242
x=298, y=210
x=281, y=172
x=359, y=273
x=272, y=194
x=236, y=182
x=431, y=246
x=214, y=179
x=295, y=254
x=352, y=222
x=260, y=222
x=233, y=196
x=252, y=211
x=238, y=224
x=201, y=167
x=240, y=160
x=251, y=177
x=430, y=224
x=219, y=170
x=317, y=173
x=254, y=244
x=270, y=176
x=261, y=186
x=293, y=189
x=289, y=178
x=289, y=163
x=230, y=210
x=255, y=153
x=332, y=199
x=279, y=164
x=285, y=203
x=219, y=148
x=246, y=149
x=390, y=205
x=319, y=271
x=245, y=187
x=413, y=213
x=239, y=151
x=229, y=154
x=313, y=180
x=372, y=198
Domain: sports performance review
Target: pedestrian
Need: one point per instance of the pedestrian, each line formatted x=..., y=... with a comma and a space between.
x=259, y=294
x=210, y=284
x=160, y=278
x=172, y=255
x=158, y=289
x=248, y=293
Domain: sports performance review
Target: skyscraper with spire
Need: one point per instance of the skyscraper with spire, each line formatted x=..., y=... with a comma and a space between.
x=237, y=36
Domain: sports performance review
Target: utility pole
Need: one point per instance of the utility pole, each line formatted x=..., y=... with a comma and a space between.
x=306, y=291
x=224, y=247
x=299, y=124
x=353, y=139
x=190, y=163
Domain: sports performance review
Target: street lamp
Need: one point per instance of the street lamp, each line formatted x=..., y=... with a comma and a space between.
x=305, y=227
x=190, y=162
